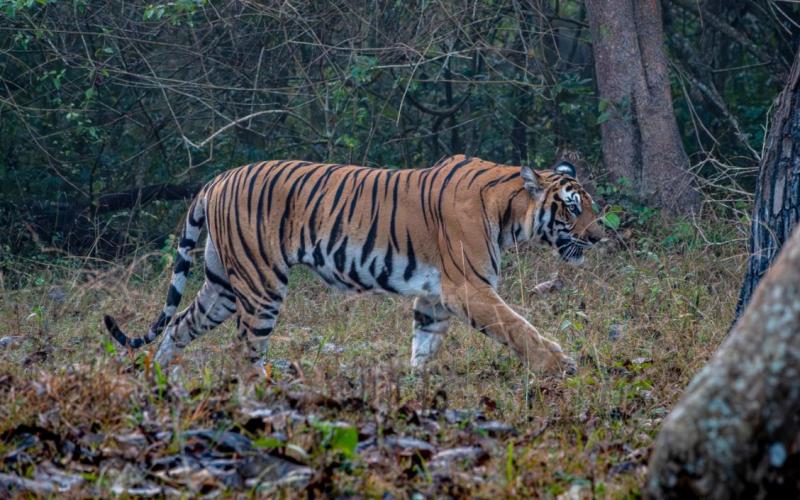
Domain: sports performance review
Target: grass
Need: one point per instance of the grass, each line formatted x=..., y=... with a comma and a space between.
x=641, y=316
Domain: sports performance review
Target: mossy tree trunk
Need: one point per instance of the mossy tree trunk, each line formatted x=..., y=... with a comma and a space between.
x=641, y=140
x=777, y=208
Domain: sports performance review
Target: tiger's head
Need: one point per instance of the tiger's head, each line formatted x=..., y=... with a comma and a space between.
x=565, y=217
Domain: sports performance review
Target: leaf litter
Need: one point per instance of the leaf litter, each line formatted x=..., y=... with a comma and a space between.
x=94, y=431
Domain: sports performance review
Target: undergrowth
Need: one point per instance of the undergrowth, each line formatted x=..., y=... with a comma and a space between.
x=641, y=316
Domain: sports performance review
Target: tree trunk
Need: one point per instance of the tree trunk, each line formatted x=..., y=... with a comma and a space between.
x=736, y=431
x=641, y=141
x=777, y=207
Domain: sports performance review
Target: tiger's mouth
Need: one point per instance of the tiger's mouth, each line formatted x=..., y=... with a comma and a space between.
x=571, y=249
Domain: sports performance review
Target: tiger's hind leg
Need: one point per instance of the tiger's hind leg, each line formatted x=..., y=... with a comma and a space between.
x=256, y=320
x=431, y=320
x=213, y=304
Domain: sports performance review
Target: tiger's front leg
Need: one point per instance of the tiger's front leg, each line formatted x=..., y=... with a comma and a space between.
x=431, y=320
x=488, y=313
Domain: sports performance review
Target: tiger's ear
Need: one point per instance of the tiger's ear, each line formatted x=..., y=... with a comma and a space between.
x=533, y=181
x=566, y=168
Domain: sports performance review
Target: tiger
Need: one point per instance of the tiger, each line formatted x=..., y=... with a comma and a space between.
x=435, y=234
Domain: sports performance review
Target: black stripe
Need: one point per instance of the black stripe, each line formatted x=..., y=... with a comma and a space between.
x=173, y=296
x=269, y=191
x=369, y=244
x=355, y=278
x=251, y=187
x=447, y=180
x=424, y=177
x=319, y=261
x=374, y=190
x=261, y=332
x=340, y=256
x=195, y=222
x=337, y=196
x=312, y=221
x=393, y=217
x=477, y=273
x=160, y=323
x=356, y=196
x=383, y=278
x=412, y=260
x=333, y=237
x=301, y=251
x=422, y=320
x=477, y=174
x=181, y=265
x=187, y=243
x=280, y=274
x=218, y=280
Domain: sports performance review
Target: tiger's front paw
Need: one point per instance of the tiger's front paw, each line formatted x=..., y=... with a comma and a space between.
x=551, y=360
x=569, y=366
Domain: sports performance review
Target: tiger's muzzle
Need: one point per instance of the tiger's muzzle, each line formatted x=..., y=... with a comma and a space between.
x=571, y=249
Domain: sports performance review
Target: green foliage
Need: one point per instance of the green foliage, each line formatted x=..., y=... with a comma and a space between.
x=510, y=463
x=10, y=8
x=111, y=107
x=107, y=109
x=268, y=443
x=168, y=253
x=161, y=379
x=337, y=438
x=612, y=219
x=604, y=110
x=176, y=12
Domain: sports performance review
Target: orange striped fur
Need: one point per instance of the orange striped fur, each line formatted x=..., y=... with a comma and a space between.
x=435, y=234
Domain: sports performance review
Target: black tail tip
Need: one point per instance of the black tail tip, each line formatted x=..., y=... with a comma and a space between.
x=114, y=330
x=111, y=324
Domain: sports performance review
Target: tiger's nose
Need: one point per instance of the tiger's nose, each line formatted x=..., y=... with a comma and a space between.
x=593, y=238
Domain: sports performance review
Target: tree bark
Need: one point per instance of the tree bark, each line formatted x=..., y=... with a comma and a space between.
x=777, y=208
x=735, y=433
x=641, y=140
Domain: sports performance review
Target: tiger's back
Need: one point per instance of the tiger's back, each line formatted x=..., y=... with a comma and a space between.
x=360, y=229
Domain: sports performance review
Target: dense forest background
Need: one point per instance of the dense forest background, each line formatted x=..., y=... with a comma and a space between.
x=681, y=116
x=109, y=110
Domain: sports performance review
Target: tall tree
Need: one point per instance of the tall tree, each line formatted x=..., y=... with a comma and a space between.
x=777, y=208
x=640, y=136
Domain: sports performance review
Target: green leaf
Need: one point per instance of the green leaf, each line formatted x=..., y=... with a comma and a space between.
x=267, y=443
x=345, y=440
x=510, y=463
x=612, y=220
x=109, y=347
x=161, y=379
x=604, y=117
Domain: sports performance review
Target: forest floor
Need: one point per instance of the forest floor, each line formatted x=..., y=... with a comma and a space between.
x=338, y=411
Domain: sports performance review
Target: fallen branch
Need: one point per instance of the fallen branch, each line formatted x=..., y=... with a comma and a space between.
x=131, y=198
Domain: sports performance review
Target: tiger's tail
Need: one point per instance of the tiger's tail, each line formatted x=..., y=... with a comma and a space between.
x=195, y=220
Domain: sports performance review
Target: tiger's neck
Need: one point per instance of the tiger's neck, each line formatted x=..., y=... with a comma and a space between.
x=513, y=210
